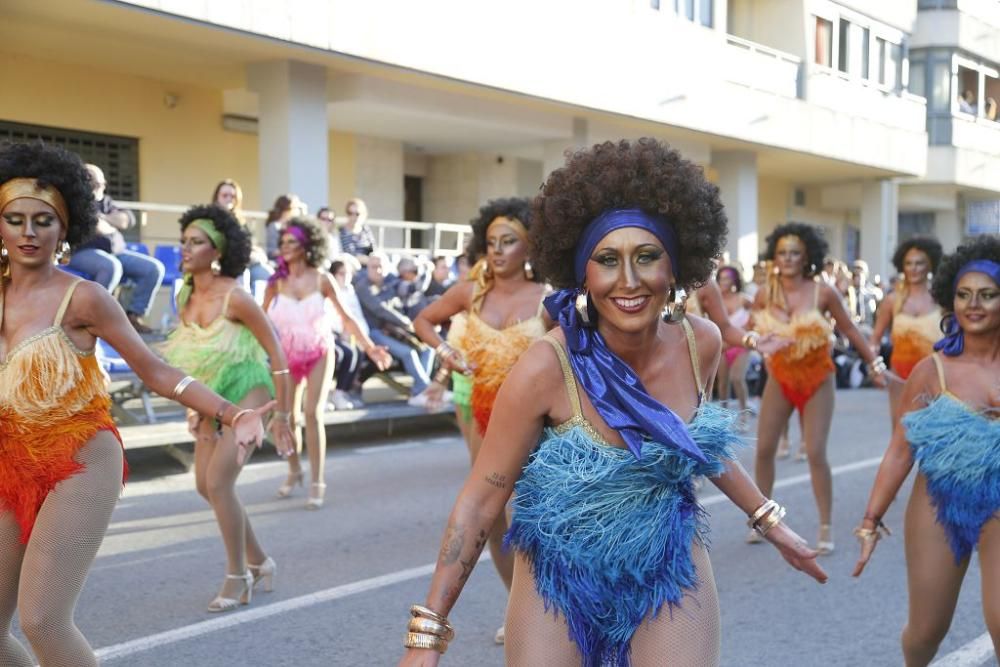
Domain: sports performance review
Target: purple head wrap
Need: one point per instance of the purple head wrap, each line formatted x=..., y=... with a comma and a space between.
x=953, y=342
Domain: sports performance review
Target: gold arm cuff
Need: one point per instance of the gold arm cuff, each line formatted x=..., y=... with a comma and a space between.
x=181, y=386
x=419, y=640
x=427, y=626
x=283, y=371
x=761, y=512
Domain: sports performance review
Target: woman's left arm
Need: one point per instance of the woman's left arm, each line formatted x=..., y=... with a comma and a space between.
x=377, y=354
x=242, y=308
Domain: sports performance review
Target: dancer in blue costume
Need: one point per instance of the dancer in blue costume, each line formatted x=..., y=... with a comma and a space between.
x=611, y=563
x=949, y=427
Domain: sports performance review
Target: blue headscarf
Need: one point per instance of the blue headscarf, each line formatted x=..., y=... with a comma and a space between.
x=612, y=386
x=953, y=342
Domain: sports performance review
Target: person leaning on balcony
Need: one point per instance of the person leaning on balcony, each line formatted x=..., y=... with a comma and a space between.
x=355, y=236
x=62, y=466
x=106, y=259
x=390, y=327
x=967, y=102
x=229, y=195
x=285, y=208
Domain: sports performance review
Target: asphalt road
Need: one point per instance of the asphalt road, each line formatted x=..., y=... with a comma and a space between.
x=349, y=571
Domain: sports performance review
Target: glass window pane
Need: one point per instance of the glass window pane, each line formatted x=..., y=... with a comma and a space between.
x=688, y=8
x=845, y=45
x=655, y=4
x=824, y=42
x=705, y=12
x=880, y=54
x=865, y=45
x=893, y=65
x=940, y=99
x=918, y=73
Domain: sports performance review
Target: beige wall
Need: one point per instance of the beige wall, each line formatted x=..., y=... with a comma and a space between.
x=343, y=179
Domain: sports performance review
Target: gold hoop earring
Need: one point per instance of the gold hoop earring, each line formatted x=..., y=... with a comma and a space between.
x=583, y=308
x=528, y=272
x=216, y=267
x=4, y=262
x=676, y=306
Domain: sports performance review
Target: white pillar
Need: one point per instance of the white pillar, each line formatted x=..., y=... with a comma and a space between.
x=738, y=188
x=292, y=131
x=553, y=154
x=948, y=228
x=879, y=223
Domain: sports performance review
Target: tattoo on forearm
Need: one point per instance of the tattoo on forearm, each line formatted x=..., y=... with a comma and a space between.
x=497, y=480
x=451, y=548
x=467, y=565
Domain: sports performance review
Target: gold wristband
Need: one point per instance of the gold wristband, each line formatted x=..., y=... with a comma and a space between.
x=441, y=377
x=750, y=340
x=759, y=513
x=428, y=626
x=770, y=521
x=181, y=386
x=419, y=640
x=239, y=414
x=283, y=371
x=425, y=612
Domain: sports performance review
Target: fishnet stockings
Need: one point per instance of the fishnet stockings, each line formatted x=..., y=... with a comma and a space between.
x=43, y=580
x=690, y=637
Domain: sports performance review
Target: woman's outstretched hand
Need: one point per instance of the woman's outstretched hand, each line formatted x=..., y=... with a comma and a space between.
x=795, y=551
x=281, y=435
x=248, y=431
x=770, y=343
x=420, y=657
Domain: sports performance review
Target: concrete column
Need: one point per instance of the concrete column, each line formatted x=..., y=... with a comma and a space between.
x=948, y=228
x=738, y=187
x=292, y=131
x=553, y=151
x=879, y=223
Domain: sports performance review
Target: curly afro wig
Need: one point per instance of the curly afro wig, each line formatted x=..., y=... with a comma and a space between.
x=318, y=247
x=235, y=259
x=733, y=271
x=816, y=246
x=645, y=174
x=512, y=208
x=943, y=287
x=57, y=167
x=924, y=244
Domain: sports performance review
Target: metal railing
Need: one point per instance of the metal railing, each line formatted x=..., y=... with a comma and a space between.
x=392, y=236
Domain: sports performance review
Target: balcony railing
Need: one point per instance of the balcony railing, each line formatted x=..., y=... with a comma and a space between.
x=762, y=68
x=392, y=236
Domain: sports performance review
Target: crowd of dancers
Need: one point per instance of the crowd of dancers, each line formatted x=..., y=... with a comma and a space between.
x=580, y=356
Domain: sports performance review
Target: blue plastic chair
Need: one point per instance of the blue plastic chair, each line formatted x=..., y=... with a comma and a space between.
x=170, y=255
x=140, y=248
x=75, y=272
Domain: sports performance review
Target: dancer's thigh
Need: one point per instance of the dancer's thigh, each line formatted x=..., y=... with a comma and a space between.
x=534, y=636
x=688, y=636
x=773, y=418
x=222, y=467
x=11, y=554
x=816, y=419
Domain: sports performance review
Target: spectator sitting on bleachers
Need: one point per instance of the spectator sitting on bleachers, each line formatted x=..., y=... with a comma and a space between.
x=327, y=220
x=355, y=236
x=440, y=279
x=462, y=268
x=390, y=327
x=349, y=356
x=410, y=287
x=285, y=208
x=107, y=261
x=229, y=195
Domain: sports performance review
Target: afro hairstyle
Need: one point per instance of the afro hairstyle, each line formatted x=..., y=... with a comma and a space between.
x=816, y=246
x=929, y=246
x=646, y=174
x=512, y=208
x=235, y=259
x=943, y=287
x=55, y=166
x=318, y=247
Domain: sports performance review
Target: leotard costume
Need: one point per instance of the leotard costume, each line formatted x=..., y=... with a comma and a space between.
x=740, y=318
x=492, y=353
x=957, y=448
x=799, y=368
x=913, y=338
x=53, y=400
x=609, y=533
x=305, y=329
x=224, y=355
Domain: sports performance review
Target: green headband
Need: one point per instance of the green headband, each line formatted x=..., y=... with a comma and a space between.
x=218, y=238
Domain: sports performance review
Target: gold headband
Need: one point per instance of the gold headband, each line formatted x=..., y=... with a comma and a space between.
x=514, y=224
x=28, y=188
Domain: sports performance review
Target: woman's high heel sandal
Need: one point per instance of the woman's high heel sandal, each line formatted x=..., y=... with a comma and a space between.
x=264, y=573
x=824, y=547
x=227, y=604
x=316, y=492
x=294, y=479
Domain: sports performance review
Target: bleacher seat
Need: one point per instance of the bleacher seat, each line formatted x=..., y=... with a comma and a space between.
x=75, y=272
x=170, y=255
x=140, y=248
x=125, y=386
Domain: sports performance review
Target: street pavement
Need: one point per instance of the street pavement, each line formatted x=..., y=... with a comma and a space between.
x=349, y=571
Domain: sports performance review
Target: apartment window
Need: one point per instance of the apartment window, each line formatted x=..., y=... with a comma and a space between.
x=915, y=224
x=865, y=53
x=918, y=75
x=705, y=12
x=655, y=4
x=991, y=95
x=844, y=50
x=968, y=91
x=824, y=42
x=940, y=99
x=686, y=9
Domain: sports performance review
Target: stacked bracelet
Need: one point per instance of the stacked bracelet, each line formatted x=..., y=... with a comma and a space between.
x=181, y=386
x=283, y=371
x=441, y=377
x=750, y=340
x=766, y=517
x=428, y=629
x=877, y=366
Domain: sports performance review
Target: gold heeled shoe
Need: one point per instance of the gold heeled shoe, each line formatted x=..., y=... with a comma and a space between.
x=294, y=479
x=316, y=492
x=220, y=603
x=264, y=573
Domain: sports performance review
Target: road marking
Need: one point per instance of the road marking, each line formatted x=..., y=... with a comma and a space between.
x=235, y=619
x=975, y=653
x=717, y=498
x=232, y=620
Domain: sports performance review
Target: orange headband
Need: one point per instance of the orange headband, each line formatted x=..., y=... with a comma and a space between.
x=28, y=188
x=514, y=224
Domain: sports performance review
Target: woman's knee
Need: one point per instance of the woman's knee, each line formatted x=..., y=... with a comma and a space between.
x=41, y=620
x=925, y=634
x=217, y=489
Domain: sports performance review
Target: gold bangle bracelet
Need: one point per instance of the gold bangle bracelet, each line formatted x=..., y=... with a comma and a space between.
x=419, y=640
x=428, y=626
x=283, y=371
x=761, y=512
x=239, y=414
x=181, y=386
x=420, y=610
x=770, y=521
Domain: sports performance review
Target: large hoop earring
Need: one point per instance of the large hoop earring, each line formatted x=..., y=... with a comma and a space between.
x=676, y=306
x=216, y=267
x=583, y=308
x=62, y=251
x=528, y=272
x=4, y=262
